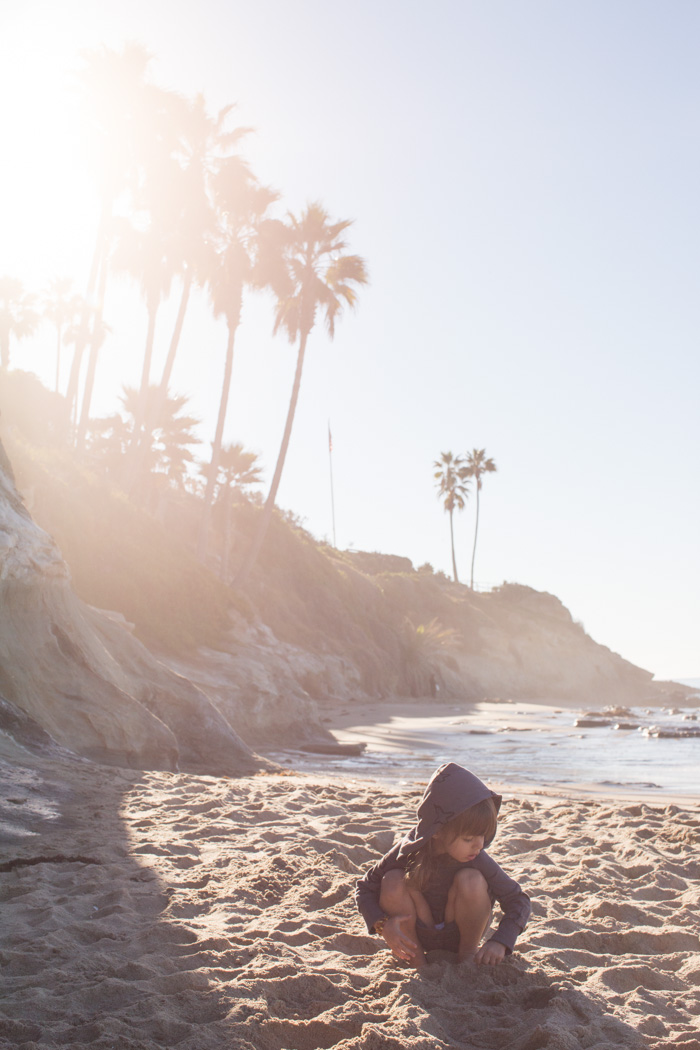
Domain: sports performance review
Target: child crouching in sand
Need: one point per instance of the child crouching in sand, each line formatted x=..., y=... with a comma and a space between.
x=436, y=888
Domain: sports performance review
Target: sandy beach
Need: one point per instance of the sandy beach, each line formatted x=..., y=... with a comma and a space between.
x=146, y=910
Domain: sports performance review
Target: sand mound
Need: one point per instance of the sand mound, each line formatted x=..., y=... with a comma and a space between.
x=146, y=910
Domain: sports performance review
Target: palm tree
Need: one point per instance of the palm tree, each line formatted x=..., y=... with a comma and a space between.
x=115, y=96
x=18, y=315
x=144, y=255
x=174, y=439
x=476, y=465
x=131, y=131
x=238, y=470
x=95, y=336
x=169, y=448
x=453, y=490
x=182, y=203
x=204, y=143
x=76, y=335
x=242, y=203
x=318, y=276
x=61, y=306
x=107, y=442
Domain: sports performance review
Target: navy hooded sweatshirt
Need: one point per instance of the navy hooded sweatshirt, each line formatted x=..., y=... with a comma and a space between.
x=451, y=790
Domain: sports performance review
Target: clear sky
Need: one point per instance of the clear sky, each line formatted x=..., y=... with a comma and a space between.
x=524, y=183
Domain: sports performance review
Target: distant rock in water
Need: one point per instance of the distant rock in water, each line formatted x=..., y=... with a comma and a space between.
x=671, y=733
x=72, y=676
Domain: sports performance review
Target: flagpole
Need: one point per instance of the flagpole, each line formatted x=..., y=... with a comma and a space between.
x=330, y=464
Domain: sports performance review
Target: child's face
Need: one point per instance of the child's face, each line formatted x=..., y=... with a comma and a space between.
x=465, y=847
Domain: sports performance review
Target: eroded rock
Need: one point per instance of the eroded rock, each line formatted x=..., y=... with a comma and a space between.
x=79, y=677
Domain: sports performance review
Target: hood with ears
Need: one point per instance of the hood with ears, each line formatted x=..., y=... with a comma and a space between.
x=450, y=791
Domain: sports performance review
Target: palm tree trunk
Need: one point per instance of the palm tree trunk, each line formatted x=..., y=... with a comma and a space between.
x=155, y=405
x=476, y=530
x=226, y=553
x=452, y=541
x=82, y=341
x=140, y=421
x=92, y=360
x=203, y=542
x=74, y=377
x=59, y=335
x=177, y=332
x=245, y=569
x=140, y=437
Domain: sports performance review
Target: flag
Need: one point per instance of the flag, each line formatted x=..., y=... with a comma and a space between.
x=330, y=439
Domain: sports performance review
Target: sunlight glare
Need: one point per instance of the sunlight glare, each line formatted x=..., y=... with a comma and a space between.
x=47, y=207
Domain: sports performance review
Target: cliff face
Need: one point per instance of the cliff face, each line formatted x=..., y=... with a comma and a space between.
x=412, y=635
x=272, y=691
x=375, y=627
x=71, y=676
x=315, y=626
x=528, y=647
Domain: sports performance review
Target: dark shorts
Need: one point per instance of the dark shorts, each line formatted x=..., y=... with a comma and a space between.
x=443, y=938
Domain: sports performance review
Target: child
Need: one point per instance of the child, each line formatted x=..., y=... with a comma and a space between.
x=436, y=888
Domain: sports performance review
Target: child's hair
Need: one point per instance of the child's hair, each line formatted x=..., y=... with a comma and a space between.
x=480, y=819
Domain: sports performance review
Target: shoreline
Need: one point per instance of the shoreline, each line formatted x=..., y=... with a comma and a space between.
x=503, y=741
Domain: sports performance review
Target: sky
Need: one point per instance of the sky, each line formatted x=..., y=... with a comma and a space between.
x=523, y=183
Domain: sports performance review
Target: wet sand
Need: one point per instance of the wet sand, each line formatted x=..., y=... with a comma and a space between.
x=150, y=910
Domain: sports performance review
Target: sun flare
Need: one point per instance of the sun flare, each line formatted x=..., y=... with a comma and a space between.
x=47, y=206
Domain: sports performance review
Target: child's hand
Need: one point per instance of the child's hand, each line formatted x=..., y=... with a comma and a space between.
x=490, y=954
x=401, y=945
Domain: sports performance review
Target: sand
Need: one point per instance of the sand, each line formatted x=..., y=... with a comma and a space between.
x=150, y=910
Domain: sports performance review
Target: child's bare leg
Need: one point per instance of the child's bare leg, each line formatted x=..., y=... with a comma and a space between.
x=398, y=901
x=469, y=905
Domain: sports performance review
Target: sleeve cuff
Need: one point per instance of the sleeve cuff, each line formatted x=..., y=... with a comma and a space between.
x=373, y=916
x=506, y=934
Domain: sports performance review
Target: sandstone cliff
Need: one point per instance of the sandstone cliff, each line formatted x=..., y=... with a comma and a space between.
x=407, y=634
x=72, y=676
x=315, y=626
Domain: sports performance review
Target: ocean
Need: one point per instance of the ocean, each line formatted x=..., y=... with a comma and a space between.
x=638, y=751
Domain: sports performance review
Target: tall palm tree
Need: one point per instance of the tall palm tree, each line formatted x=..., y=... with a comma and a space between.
x=319, y=276
x=205, y=151
x=143, y=254
x=92, y=331
x=204, y=143
x=453, y=490
x=130, y=131
x=18, y=315
x=476, y=465
x=114, y=94
x=242, y=203
x=76, y=335
x=62, y=307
